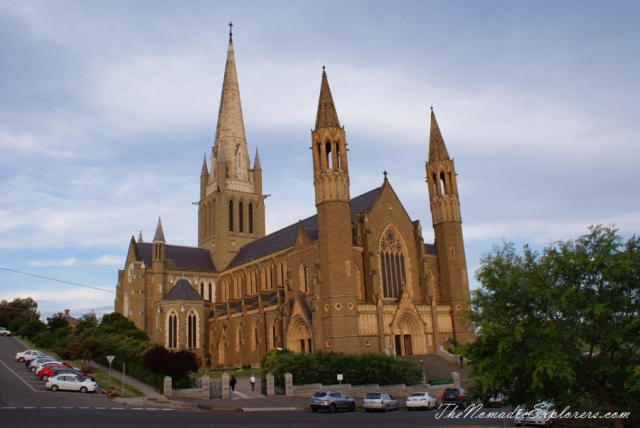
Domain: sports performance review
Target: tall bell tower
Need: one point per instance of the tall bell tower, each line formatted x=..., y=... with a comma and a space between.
x=231, y=210
x=453, y=284
x=335, y=242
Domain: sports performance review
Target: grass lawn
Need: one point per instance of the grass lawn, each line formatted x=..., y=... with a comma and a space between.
x=102, y=379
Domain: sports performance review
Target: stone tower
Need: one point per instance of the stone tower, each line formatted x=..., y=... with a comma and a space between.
x=231, y=209
x=337, y=297
x=453, y=284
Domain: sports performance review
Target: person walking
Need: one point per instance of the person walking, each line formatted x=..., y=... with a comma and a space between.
x=252, y=381
x=232, y=383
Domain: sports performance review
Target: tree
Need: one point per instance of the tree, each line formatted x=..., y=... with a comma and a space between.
x=562, y=324
x=116, y=323
x=56, y=321
x=86, y=326
x=20, y=308
x=178, y=365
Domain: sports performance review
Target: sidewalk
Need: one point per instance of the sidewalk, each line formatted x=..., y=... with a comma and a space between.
x=242, y=400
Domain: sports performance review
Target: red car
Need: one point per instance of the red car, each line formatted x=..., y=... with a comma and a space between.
x=46, y=371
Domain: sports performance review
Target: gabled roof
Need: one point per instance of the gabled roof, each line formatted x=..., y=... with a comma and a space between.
x=177, y=257
x=182, y=291
x=285, y=238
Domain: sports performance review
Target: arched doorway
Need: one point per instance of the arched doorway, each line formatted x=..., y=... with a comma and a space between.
x=409, y=334
x=299, y=336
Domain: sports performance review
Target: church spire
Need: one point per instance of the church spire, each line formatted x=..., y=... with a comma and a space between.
x=159, y=236
x=230, y=122
x=205, y=168
x=256, y=162
x=437, y=148
x=327, y=115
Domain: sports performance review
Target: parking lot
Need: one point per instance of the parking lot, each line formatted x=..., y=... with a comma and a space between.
x=19, y=388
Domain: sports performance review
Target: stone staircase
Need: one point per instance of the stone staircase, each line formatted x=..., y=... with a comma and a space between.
x=436, y=367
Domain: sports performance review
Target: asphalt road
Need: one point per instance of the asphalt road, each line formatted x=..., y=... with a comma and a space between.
x=25, y=402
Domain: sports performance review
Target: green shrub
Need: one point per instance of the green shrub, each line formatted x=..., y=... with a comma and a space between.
x=357, y=369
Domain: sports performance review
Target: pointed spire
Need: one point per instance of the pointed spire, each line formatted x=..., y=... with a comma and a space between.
x=437, y=148
x=159, y=236
x=327, y=115
x=256, y=162
x=205, y=168
x=140, y=240
x=230, y=122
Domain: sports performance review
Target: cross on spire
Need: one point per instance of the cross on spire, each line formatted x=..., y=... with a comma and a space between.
x=230, y=31
x=385, y=175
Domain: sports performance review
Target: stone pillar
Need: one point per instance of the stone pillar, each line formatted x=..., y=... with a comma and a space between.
x=271, y=390
x=206, y=391
x=168, y=392
x=455, y=377
x=225, y=386
x=288, y=384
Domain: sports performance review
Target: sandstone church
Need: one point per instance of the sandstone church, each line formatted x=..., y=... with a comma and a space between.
x=355, y=277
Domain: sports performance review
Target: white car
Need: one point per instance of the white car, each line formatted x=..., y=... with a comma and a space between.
x=5, y=332
x=71, y=383
x=421, y=400
x=28, y=355
x=540, y=415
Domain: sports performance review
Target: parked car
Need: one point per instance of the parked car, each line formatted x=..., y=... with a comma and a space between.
x=71, y=383
x=32, y=363
x=421, y=400
x=5, y=332
x=40, y=366
x=70, y=371
x=457, y=396
x=29, y=354
x=48, y=370
x=539, y=415
x=379, y=401
x=331, y=401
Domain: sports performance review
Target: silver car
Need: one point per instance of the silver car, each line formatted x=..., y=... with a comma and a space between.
x=331, y=401
x=379, y=401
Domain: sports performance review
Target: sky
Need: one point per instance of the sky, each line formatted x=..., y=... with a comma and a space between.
x=107, y=108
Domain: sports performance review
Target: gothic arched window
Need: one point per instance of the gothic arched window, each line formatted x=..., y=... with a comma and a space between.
x=250, y=218
x=172, y=330
x=230, y=216
x=240, y=217
x=392, y=264
x=192, y=328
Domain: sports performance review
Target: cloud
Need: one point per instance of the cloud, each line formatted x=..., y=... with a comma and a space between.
x=109, y=261
x=70, y=262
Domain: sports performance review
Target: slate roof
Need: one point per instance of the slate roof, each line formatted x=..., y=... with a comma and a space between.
x=430, y=249
x=285, y=238
x=182, y=291
x=177, y=257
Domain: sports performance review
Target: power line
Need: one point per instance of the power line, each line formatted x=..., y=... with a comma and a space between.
x=56, y=280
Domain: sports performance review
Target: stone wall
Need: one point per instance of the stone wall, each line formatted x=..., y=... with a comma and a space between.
x=359, y=391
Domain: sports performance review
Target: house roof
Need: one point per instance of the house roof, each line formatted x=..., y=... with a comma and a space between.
x=182, y=291
x=177, y=257
x=285, y=238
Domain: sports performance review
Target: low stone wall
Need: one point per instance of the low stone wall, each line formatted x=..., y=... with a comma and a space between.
x=359, y=391
x=202, y=392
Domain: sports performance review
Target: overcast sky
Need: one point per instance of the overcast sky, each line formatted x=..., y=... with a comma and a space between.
x=107, y=108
